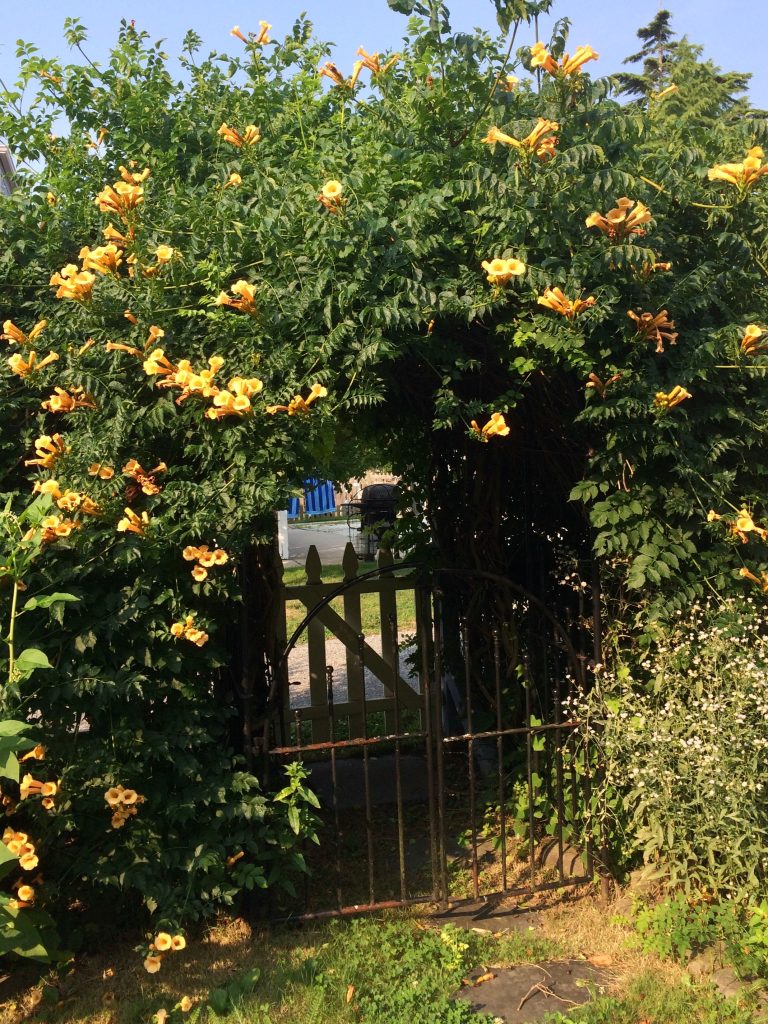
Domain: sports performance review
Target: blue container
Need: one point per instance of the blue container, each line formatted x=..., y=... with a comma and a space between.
x=319, y=497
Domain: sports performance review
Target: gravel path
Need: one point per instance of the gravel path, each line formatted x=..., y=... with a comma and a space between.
x=336, y=655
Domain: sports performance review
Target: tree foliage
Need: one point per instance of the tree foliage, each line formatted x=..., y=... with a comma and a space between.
x=353, y=221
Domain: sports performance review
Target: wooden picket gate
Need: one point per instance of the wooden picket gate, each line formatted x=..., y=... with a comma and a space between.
x=360, y=658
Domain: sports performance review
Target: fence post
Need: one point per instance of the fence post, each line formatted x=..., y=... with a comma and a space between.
x=353, y=615
x=316, y=650
x=389, y=637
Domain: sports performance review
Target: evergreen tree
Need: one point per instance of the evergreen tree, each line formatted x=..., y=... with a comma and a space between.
x=656, y=53
x=694, y=90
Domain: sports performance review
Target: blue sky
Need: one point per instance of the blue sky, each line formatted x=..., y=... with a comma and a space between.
x=734, y=36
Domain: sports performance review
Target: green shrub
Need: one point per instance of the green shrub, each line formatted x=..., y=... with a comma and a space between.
x=683, y=737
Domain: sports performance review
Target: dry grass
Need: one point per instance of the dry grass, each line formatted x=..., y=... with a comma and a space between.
x=584, y=926
x=112, y=988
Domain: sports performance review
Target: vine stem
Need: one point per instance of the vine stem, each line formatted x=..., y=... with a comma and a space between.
x=491, y=94
x=12, y=632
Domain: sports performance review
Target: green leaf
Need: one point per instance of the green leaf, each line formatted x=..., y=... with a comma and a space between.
x=30, y=660
x=48, y=600
x=9, y=765
x=293, y=818
x=11, y=728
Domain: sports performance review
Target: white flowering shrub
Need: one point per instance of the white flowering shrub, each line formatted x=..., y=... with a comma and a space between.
x=683, y=737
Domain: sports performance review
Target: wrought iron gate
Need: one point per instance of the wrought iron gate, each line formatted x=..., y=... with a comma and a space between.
x=468, y=778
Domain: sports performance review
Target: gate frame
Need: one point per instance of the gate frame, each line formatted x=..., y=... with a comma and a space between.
x=428, y=595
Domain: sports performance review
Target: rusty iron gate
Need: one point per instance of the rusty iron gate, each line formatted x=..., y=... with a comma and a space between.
x=477, y=785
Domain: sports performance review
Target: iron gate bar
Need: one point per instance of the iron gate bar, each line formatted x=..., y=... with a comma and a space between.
x=398, y=771
x=470, y=756
x=516, y=730
x=559, y=771
x=423, y=601
x=366, y=772
x=500, y=756
x=334, y=784
x=357, y=741
x=439, y=747
x=529, y=765
x=360, y=741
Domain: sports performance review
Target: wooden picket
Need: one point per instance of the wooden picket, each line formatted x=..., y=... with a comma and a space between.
x=384, y=666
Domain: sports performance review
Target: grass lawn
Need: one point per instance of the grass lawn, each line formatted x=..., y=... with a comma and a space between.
x=392, y=969
x=369, y=603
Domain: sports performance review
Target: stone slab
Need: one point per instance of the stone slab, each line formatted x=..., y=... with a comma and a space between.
x=486, y=916
x=564, y=985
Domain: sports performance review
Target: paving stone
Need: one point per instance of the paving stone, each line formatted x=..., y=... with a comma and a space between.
x=558, y=986
x=708, y=961
x=487, y=917
x=727, y=982
x=574, y=864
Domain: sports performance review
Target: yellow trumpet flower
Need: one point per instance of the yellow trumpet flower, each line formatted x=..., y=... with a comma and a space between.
x=540, y=58
x=48, y=449
x=23, y=367
x=145, y=481
x=164, y=254
x=117, y=346
x=534, y=142
x=553, y=298
x=568, y=66
x=657, y=328
x=250, y=136
x=502, y=271
x=62, y=401
x=667, y=400
x=329, y=70
x=299, y=404
x=331, y=195
x=133, y=523
x=157, y=364
x=188, y=631
x=601, y=386
x=120, y=198
x=372, y=63
x=495, y=427
x=133, y=177
x=54, y=527
x=761, y=580
x=621, y=222
x=664, y=92
x=113, y=235
x=244, y=301
x=73, y=283
x=104, y=259
x=357, y=67
x=14, y=334
x=743, y=175
x=751, y=343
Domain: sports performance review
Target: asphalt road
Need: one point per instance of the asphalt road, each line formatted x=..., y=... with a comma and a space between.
x=330, y=539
